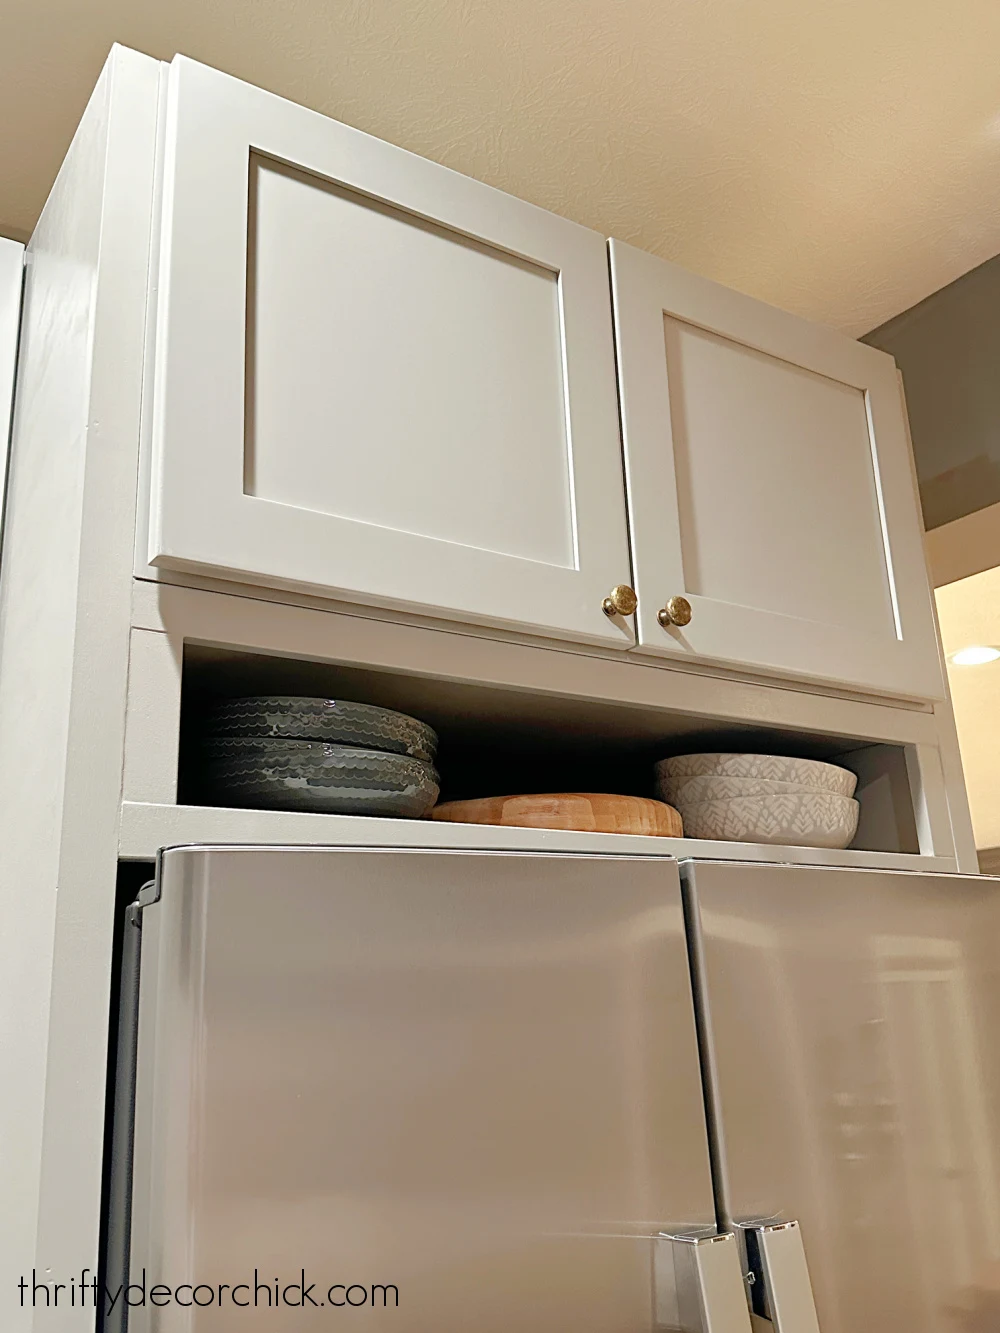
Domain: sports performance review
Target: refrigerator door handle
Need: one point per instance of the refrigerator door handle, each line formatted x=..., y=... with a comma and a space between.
x=778, y=1277
x=708, y=1295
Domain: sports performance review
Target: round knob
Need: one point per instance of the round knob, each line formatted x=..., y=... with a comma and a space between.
x=621, y=601
x=677, y=611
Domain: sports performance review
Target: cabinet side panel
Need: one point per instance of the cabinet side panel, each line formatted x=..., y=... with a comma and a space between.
x=37, y=615
x=64, y=613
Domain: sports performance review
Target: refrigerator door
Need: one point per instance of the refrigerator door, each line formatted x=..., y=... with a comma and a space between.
x=454, y=1091
x=851, y=1039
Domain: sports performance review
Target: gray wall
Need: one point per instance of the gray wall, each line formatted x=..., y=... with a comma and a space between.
x=948, y=348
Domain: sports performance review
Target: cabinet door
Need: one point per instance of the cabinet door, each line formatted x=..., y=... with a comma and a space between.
x=770, y=483
x=376, y=378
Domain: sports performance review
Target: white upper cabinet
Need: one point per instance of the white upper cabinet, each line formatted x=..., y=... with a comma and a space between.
x=376, y=379
x=770, y=484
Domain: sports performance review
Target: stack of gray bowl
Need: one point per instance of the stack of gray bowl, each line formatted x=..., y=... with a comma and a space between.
x=766, y=798
x=322, y=755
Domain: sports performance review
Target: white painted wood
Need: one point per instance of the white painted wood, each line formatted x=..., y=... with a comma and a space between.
x=11, y=279
x=414, y=384
x=141, y=567
x=146, y=828
x=152, y=717
x=923, y=763
x=769, y=482
x=886, y=791
x=687, y=665
x=946, y=784
x=287, y=630
x=377, y=378
x=954, y=781
x=64, y=626
x=518, y=688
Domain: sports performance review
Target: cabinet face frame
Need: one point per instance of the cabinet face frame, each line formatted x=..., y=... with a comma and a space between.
x=11, y=282
x=201, y=519
x=165, y=618
x=646, y=290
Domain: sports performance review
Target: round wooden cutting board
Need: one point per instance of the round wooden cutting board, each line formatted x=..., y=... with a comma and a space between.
x=587, y=812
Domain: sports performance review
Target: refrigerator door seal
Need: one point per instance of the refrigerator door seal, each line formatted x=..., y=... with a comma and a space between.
x=119, y=1229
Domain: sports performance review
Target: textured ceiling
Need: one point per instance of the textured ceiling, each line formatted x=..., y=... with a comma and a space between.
x=840, y=158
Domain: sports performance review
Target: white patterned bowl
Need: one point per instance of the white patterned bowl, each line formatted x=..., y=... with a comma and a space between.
x=809, y=773
x=711, y=787
x=809, y=819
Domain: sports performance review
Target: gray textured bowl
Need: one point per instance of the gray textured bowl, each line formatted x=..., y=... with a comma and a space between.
x=283, y=774
x=712, y=787
x=334, y=720
x=809, y=819
x=809, y=773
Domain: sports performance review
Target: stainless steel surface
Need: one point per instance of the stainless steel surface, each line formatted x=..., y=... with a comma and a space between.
x=778, y=1277
x=471, y=1076
x=119, y=1202
x=701, y=1283
x=855, y=1078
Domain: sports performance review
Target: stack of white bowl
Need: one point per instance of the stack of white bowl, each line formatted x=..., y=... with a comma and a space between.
x=765, y=798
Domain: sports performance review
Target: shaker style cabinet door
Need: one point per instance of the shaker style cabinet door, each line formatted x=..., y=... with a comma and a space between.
x=377, y=379
x=770, y=487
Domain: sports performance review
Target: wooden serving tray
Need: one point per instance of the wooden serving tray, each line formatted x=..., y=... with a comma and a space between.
x=587, y=812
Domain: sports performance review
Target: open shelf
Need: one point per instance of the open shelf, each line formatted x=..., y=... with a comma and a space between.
x=501, y=741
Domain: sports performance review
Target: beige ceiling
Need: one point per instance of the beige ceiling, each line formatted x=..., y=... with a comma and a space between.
x=969, y=611
x=838, y=157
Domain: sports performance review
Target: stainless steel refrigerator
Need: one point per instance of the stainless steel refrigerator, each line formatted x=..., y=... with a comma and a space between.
x=486, y=1091
x=850, y=1026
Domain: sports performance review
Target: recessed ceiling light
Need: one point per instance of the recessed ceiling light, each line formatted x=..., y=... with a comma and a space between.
x=976, y=655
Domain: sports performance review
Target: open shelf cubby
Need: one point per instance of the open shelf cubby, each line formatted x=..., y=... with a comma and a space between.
x=502, y=741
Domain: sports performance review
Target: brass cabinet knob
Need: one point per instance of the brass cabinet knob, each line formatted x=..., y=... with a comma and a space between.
x=677, y=611
x=621, y=601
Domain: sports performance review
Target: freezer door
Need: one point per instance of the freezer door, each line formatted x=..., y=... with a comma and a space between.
x=454, y=1091
x=851, y=1022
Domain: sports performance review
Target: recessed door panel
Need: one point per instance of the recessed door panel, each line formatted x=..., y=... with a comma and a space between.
x=403, y=375
x=771, y=455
